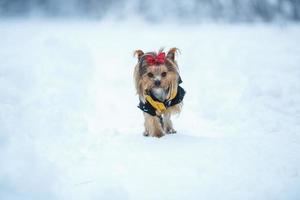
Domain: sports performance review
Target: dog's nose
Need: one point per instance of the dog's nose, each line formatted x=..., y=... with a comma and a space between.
x=157, y=83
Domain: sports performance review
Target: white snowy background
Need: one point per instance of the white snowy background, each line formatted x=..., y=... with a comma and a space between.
x=70, y=128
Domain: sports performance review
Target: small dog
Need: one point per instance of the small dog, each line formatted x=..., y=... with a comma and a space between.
x=157, y=82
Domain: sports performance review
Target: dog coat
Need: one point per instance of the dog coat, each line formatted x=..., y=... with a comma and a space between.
x=152, y=104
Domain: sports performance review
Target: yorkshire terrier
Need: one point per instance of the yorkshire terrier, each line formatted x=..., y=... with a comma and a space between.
x=157, y=82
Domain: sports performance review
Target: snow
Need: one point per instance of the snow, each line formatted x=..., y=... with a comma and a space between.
x=70, y=128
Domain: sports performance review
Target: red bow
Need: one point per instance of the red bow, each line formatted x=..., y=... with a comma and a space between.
x=154, y=60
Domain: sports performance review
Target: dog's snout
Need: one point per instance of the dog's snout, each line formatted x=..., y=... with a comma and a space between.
x=157, y=83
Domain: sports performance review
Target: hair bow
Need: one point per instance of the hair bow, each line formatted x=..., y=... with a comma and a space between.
x=154, y=60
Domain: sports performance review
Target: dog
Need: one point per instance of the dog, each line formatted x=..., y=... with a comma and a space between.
x=157, y=79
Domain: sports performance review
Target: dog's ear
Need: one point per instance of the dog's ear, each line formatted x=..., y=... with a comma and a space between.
x=138, y=54
x=171, y=53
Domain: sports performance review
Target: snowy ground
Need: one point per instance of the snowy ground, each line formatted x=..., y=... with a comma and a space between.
x=70, y=129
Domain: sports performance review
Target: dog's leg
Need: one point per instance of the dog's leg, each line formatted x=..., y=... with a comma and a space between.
x=168, y=126
x=153, y=126
x=146, y=132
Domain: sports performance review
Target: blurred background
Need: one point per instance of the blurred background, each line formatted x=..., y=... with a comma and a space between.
x=176, y=10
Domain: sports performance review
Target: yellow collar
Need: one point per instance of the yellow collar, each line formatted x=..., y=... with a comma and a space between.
x=160, y=106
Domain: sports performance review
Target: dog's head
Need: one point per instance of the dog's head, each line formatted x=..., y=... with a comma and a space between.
x=156, y=72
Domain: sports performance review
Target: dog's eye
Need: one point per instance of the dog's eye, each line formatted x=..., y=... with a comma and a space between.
x=150, y=75
x=164, y=74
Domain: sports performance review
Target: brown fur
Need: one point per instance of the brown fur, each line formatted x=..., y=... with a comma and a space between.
x=144, y=84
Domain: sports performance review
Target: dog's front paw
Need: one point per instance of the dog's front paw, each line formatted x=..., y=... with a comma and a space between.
x=146, y=134
x=170, y=130
x=159, y=135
